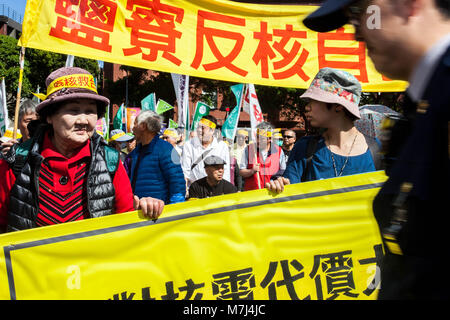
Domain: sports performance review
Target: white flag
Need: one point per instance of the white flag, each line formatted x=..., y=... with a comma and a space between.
x=181, y=86
x=4, y=122
x=252, y=107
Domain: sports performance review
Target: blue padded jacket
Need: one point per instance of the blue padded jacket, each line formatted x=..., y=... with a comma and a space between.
x=159, y=174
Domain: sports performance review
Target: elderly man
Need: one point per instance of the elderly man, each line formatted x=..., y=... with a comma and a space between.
x=213, y=184
x=199, y=147
x=262, y=160
x=411, y=43
x=152, y=171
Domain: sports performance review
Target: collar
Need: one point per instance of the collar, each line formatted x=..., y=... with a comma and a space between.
x=49, y=151
x=425, y=69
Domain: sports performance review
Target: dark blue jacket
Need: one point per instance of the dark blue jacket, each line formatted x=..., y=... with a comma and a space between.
x=158, y=174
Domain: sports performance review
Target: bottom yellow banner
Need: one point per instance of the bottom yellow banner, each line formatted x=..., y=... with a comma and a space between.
x=316, y=240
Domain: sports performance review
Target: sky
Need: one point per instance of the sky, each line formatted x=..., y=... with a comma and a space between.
x=17, y=5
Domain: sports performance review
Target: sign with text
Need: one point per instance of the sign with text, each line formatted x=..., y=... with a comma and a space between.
x=315, y=240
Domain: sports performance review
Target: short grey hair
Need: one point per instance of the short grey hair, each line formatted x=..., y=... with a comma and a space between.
x=26, y=107
x=151, y=119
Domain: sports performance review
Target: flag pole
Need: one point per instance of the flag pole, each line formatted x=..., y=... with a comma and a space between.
x=19, y=91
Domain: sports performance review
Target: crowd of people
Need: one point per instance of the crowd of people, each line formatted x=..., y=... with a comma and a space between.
x=62, y=170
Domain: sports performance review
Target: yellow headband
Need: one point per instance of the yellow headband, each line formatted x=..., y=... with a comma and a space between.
x=264, y=133
x=9, y=134
x=82, y=81
x=171, y=133
x=243, y=132
x=208, y=123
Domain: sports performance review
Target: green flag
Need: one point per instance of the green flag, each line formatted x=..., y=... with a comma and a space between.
x=118, y=119
x=172, y=124
x=230, y=125
x=149, y=102
x=162, y=106
x=201, y=110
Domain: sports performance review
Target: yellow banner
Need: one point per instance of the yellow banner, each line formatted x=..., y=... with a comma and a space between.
x=316, y=240
x=218, y=39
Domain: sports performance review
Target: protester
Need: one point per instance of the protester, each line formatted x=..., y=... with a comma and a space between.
x=289, y=138
x=77, y=174
x=27, y=113
x=152, y=172
x=261, y=161
x=340, y=150
x=199, y=147
x=277, y=137
x=412, y=44
x=213, y=184
x=117, y=140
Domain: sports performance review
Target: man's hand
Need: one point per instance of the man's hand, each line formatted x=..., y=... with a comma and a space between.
x=256, y=167
x=277, y=185
x=150, y=207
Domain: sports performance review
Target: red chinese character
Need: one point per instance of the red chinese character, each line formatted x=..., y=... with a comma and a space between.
x=70, y=82
x=210, y=33
x=153, y=28
x=359, y=52
x=264, y=52
x=86, y=22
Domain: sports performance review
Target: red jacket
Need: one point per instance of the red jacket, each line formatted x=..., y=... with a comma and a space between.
x=267, y=169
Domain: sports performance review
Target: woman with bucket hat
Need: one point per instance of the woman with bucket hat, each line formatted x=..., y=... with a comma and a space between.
x=66, y=171
x=332, y=105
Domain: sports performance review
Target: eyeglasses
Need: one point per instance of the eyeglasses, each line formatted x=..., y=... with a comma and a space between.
x=288, y=137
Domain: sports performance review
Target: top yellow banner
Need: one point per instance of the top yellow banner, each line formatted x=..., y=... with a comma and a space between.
x=218, y=39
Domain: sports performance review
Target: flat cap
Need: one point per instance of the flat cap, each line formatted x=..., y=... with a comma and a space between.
x=213, y=160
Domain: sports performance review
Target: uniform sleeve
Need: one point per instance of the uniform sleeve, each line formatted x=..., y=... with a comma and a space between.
x=124, y=194
x=6, y=183
x=296, y=162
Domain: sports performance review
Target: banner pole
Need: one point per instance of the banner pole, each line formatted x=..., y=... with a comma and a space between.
x=19, y=91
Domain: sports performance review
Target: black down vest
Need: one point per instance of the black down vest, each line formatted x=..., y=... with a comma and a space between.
x=24, y=196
